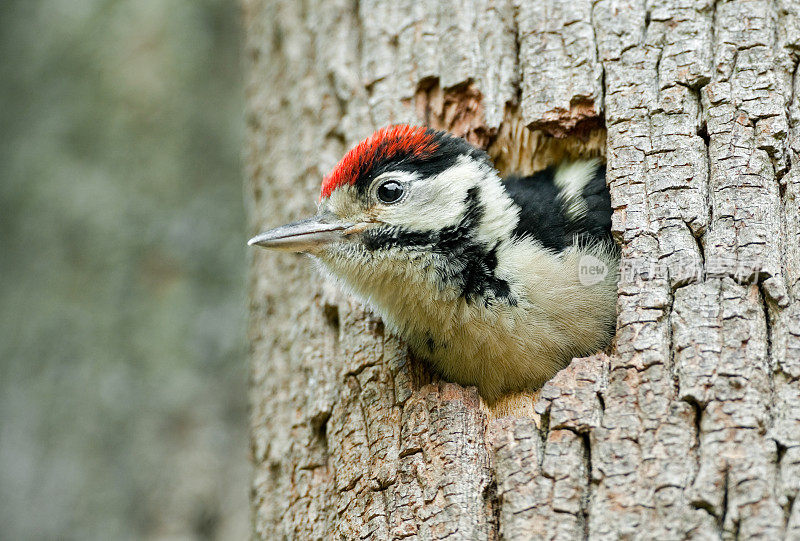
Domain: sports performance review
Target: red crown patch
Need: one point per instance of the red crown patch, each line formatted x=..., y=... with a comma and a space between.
x=385, y=144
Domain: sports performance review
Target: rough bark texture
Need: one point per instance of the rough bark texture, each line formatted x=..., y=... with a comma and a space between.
x=690, y=426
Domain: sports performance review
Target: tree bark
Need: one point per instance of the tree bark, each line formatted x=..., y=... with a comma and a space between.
x=689, y=427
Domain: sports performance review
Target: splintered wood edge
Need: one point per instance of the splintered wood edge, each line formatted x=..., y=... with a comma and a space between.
x=515, y=147
x=521, y=405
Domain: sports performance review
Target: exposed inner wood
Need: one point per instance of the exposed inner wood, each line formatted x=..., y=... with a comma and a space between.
x=513, y=146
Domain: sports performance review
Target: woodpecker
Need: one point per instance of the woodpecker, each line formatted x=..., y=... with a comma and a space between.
x=498, y=283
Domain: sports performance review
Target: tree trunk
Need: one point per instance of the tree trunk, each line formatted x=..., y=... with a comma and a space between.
x=690, y=425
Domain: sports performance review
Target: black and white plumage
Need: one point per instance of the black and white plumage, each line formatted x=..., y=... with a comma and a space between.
x=485, y=278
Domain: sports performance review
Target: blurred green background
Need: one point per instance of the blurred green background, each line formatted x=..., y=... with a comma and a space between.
x=122, y=263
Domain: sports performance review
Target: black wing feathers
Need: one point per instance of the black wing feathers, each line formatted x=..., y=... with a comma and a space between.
x=543, y=214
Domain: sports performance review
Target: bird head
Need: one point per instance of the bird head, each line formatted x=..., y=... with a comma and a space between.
x=407, y=202
x=480, y=276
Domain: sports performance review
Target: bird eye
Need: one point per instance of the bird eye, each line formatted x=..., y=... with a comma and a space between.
x=390, y=191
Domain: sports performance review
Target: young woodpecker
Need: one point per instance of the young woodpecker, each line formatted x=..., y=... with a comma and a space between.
x=499, y=284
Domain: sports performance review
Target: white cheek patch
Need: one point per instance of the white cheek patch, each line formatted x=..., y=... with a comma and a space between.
x=440, y=201
x=570, y=179
x=431, y=204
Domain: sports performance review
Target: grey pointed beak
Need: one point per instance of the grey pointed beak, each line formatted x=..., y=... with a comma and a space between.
x=309, y=235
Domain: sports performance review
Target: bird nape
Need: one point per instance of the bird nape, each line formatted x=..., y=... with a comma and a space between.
x=497, y=283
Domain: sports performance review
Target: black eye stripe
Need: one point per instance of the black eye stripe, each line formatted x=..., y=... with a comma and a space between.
x=390, y=191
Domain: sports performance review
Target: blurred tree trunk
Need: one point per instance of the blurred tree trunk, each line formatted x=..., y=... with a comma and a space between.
x=691, y=426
